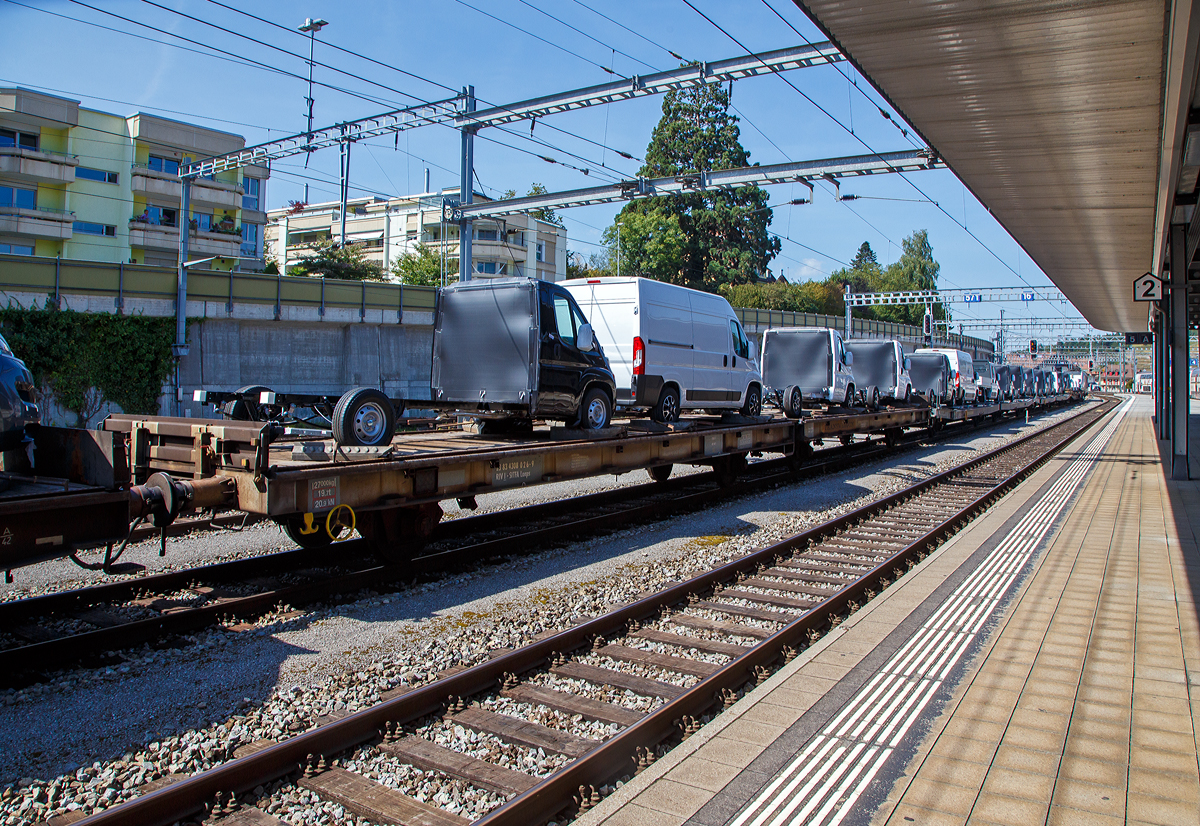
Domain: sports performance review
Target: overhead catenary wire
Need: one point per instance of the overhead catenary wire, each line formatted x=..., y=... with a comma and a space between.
x=858, y=138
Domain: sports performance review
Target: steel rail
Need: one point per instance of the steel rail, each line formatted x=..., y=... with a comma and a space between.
x=614, y=758
x=21, y=661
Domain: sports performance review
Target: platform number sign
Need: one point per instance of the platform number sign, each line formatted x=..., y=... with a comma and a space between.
x=972, y=298
x=1027, y=295
x=1147, y=288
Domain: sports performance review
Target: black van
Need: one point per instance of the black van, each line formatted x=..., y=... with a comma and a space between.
x=518, y=349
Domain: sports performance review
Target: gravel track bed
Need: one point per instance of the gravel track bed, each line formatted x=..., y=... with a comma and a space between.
x=453, y=795
x=608, y=694
x=486, y=747
x=671, y=627
x=551, y=718
x=178, y=710
x=675, y=651
x=638, y=669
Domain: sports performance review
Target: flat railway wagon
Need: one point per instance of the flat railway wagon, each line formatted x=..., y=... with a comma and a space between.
x=319, y=491
x=155, y=468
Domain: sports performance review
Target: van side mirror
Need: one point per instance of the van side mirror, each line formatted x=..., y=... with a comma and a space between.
x=849, y=358
x=586, y=339
x=907, y=365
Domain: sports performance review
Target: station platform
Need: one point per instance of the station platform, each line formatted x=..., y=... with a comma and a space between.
x=1043, y=666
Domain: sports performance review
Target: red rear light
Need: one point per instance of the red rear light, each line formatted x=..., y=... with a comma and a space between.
x=639, y=357
x=958, y=379
x=593, y=281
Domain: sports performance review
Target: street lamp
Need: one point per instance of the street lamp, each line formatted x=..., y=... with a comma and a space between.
x=311, y=27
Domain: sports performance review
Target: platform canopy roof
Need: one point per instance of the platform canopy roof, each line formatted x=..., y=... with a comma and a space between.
x=1067, y=120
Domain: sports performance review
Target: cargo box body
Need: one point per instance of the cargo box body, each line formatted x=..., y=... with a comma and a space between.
x=930, y=373
x=515, y=348
x=880, y=365
x=812, y=359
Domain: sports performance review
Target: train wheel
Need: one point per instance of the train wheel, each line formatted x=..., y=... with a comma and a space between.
x=660, y=473
x=846, y=438
x=397, y=534
x=728, y=468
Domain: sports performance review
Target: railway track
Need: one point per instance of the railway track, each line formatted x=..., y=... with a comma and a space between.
x=611, y=694
x=92, y=624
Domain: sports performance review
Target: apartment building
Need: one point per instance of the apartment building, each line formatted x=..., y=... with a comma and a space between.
x=84, y=184
x=516, y=245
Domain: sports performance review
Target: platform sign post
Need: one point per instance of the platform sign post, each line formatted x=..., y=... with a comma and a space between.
x=1147, y=287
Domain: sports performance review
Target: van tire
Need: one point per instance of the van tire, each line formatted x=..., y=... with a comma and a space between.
x=667, y=408
x=873, y=401
x=596, y=411
x=753, y=404
x=364, y=416
x=849, y=396
x=793, y=401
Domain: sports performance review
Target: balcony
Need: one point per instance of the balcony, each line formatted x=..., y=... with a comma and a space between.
x=217, y=194
x=28, y=165
x=154, y=184
x=153, y=236
x=160, y=237
x=42, y=222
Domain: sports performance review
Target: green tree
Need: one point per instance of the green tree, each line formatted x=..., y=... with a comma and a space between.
x=722, y=234
x=423, y=267
x=333, y=260
x=916, y=269
x=543, y=213
x=652, y=244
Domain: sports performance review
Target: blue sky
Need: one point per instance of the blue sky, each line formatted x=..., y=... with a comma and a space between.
x=517, y=52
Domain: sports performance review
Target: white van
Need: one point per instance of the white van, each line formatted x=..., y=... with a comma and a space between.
x=670, y=348
x=962, y=379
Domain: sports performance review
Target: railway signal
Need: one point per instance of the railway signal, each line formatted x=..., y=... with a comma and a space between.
x=1033, y=347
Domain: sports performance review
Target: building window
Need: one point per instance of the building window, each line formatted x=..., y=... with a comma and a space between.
x=89, y=174
x=516, y=238
x=202, y=222
x=11, y=196
x=25, y=140
x=491, y=268
x=160, y=216
x=486, y=235
x=16, y=249
x=88, y=228
x=250, y=199
x=250, y=240
x=167, y=165
x=541, y=251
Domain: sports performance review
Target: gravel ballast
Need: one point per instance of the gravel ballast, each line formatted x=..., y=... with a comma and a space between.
x=90, y=737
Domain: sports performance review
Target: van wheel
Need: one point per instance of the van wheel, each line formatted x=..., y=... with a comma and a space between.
x=793, y=401
x=849, y=402
x=596, y=410
x=908, y=394
x=364, y=416
x=753, y=403
x=660, y=473
x=667, y=409
x=873, y=401
x=247, y=407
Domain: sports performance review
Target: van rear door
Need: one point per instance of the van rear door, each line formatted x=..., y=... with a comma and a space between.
x=667, y=334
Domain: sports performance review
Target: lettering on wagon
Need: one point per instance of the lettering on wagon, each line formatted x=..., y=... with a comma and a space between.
x=517, y=471
x=322, y=494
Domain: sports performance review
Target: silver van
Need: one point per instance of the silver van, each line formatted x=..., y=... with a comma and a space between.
x=807, y=364
x=962, y=377
x=880, y=371
x=930, y=373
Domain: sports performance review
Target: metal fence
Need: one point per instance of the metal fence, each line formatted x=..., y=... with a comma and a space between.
x=55, y=277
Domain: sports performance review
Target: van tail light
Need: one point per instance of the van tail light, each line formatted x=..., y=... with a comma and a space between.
x=639, y=356
x=958, y=379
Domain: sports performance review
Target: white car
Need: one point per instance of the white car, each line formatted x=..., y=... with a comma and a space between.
x=670, y=348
